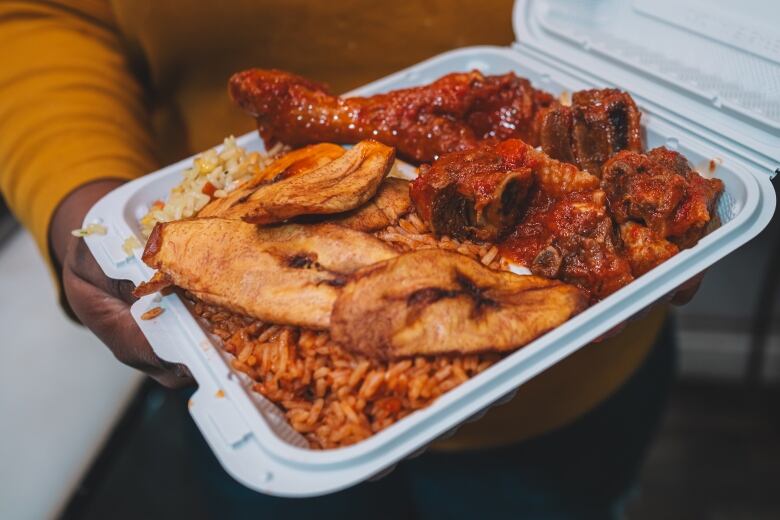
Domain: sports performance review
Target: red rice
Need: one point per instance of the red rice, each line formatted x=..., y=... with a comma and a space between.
x=330, y=396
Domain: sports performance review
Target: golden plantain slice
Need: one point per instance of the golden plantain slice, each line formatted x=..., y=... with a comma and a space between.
x=433, y=301
x=291, y=164
x=386, y=208
x=339, y=185
x=289, y=274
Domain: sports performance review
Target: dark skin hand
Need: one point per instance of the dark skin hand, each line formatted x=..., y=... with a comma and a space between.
x=680, y=296
x=100, y=303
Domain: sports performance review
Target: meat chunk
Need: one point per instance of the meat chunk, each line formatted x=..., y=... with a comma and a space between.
x=422, y=123
x=660, y=190
x=644, y=249
x=332, y=186
x=433, y=301
x=555, y=133
x=477, y=193
x=571, y=238
x=598, y=124
x=287, y=274
x=557, y=179
x=480, y=193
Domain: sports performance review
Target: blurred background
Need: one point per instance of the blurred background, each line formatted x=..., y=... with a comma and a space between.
x=103, y=442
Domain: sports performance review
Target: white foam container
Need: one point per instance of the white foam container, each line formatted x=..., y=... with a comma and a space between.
x=708, y=84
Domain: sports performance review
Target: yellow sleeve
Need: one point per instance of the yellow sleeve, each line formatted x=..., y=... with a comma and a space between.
x=71, y=110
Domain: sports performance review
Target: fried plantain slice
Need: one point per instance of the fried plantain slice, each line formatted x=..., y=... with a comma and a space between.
x=340, y=185
x=386, y=208
x=291, y=164
x=433, y=302
x=288, y=274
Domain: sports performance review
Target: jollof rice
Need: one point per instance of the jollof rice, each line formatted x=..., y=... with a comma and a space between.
x=330, y=396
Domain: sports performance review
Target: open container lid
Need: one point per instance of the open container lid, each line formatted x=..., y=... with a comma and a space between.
x=711, y=65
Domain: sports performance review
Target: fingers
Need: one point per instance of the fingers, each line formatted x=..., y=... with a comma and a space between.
x=130, y=346
x=614, y=331
x=687, y=291
x=175, y=377
x=81, y=262
x=108, y=316
x=382, y=474
x=680, y=296
x=123, y=290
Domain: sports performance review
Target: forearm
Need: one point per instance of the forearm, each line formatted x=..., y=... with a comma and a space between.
x=73, y=112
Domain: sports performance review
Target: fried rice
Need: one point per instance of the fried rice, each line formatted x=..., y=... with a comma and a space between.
x=214, y=173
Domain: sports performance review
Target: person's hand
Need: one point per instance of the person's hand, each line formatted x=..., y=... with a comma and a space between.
x=100, y=303
x=679, y=296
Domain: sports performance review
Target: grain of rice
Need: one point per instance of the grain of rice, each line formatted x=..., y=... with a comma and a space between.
x=152, y=313
x=489, y=256
x=91, y=229
x=130, y=244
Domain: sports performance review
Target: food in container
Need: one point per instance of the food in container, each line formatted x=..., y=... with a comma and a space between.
x=253, y=439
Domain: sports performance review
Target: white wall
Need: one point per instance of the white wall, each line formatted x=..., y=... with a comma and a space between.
x=61, y=390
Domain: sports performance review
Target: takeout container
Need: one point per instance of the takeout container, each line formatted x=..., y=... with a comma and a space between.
x=702, y=81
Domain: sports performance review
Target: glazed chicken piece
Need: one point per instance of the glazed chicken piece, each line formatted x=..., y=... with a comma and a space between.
x=597, y=125
x=571, y=238
x=480, y=193
x=433, y=301
x=324, y=182
x=661, y=190
x=452, y=113
x=289, y=274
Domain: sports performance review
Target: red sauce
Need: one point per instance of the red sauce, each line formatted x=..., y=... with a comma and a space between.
x=531, y=234
x=476, y=173
x=578, y=226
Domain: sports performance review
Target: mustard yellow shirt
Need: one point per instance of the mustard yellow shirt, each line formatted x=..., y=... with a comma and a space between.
x=116, y=88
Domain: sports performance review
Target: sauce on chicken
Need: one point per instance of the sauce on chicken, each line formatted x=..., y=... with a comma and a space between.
x=451, y=114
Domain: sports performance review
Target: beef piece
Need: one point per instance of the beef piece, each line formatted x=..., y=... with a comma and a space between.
x=644, y=249
x=660, y=190
x=598, y=124
x=476, y=194
x=480, y=193
x=571, y=238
